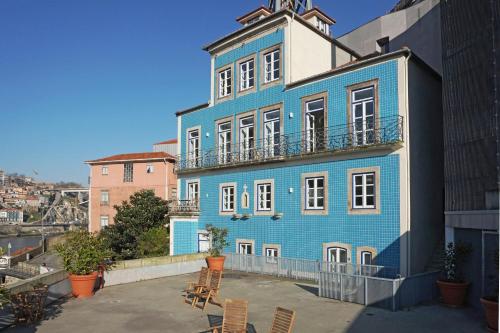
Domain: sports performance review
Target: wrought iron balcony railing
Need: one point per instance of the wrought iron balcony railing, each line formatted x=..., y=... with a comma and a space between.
x=184, y=207
x=354, y=136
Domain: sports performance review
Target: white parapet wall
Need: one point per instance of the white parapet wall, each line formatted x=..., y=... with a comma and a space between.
x=152, y=268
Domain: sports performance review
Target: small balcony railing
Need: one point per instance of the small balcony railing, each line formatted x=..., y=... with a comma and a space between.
x=184, y=207
x=361, y=135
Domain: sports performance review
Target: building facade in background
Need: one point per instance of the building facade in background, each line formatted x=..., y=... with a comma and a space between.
x=115, y=178
x=11, y=215
x=414, y=24
x=306, y=150
x=471, y=83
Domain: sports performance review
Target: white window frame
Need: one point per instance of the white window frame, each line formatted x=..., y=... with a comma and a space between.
x=224, y=195
x=105, y=194
x=269, y=133
x=150, y=168
x=247, y=138
x=316, y=197
x=225, y=82
x=337, y=250
x=247, y=74
x=264, y=204
x=193, y=190
x=224, y=142
x=270, y=66
x=367, y=131
x=312, y=133
x=104, y=218
x=104, y=171
x=362, y=256
x=245, y=244
x=364, y=186
x=193, y=147
x=267, y=185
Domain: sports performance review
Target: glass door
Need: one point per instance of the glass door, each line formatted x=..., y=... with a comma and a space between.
x=272, y=133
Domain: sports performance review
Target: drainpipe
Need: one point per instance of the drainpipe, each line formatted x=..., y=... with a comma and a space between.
x=407, y=151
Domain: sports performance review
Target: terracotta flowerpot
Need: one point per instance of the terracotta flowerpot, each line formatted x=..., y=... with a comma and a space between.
x=453, y=293
x=215, y=263
x=491, y=311
x=83, y=285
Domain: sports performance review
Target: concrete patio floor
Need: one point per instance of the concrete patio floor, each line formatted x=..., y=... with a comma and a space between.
x=157, y=306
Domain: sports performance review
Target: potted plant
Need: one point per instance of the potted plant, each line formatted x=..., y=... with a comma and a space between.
x=490, y=302
x=218, y=242
x=82, y=253
x=453, y=287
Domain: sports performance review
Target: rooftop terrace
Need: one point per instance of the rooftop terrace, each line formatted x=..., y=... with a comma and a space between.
x=157, y=306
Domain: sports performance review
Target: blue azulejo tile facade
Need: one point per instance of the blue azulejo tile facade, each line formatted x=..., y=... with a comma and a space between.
x=299, y=235
x=290, y=230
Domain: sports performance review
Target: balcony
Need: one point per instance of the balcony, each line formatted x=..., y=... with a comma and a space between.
x=184, y=207
x=386, y=131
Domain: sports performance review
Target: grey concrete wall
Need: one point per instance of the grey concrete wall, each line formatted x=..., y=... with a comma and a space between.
x=417, y=27
x=129, y=275
x=426, y=164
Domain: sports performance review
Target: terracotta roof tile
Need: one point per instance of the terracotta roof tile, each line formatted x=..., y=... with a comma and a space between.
x=166, y=142
x=133, y=157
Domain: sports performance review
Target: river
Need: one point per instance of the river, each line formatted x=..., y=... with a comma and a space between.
x=19, y=242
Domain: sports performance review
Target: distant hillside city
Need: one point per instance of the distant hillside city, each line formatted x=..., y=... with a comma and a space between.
x=24, y=199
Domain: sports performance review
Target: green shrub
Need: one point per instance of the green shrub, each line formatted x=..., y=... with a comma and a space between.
x=82, y=252
x=4, y=297
x=144, y=211
x=455, y=256
x=218, y=240
x=153, y=243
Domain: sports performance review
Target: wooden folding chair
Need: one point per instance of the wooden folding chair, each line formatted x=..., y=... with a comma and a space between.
x=209, y=293
x=195, y=286
x=283, y=321
x=235, y=317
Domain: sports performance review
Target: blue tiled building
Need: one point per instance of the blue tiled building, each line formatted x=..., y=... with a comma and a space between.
x=306, y=150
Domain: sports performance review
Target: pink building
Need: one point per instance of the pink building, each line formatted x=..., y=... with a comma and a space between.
x=115, y=178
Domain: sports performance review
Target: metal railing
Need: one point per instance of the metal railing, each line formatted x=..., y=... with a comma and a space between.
x=301, y=269
x=353, y=136
x=184, y=206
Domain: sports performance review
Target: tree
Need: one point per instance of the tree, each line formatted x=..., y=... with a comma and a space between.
x=144, y=211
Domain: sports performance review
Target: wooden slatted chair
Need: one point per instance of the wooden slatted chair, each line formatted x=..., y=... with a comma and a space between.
x=283, y=321
x=209, y=293
x=235, y=317
x=193, y=287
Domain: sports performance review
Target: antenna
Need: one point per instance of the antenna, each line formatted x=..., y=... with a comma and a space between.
x=297, y=6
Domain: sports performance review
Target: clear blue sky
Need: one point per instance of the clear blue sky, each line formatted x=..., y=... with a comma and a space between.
x=90, y=78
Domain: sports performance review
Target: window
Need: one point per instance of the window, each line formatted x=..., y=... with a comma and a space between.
x=224, y=137
x=337, y=255
x=203, y=241
x=272, y=134
x=225, y=83
x=264, y=197
x=271, y=254
x=366, y=258
x=104, y=197
x=247, y=75
x=272, y=66
x=363, y=190
x=193, y=191
x=315, y=124
x=128, y=174
x=150, y=168
x=104, y=221
x=194, y=148
x=322, y=26
x=227, y=198
x=363, y=116
x=104, y=171
x=245, y=248
x=247, y=142
x=315, y=193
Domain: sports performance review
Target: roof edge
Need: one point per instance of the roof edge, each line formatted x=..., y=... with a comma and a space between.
x=404, y=51
x=191, y=109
